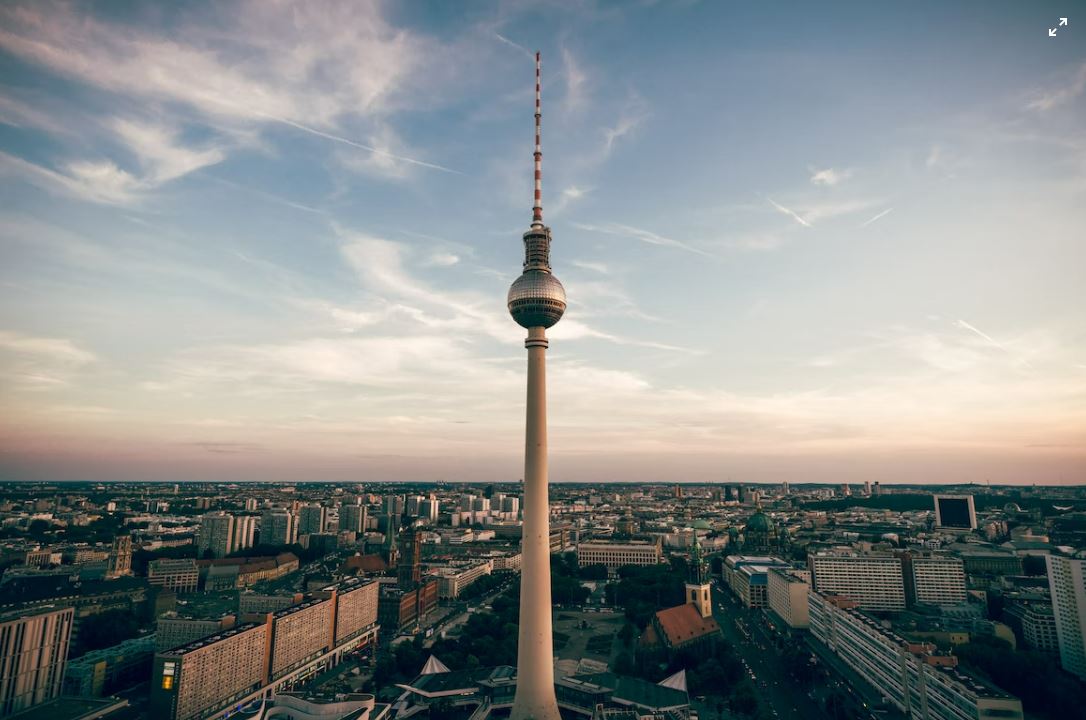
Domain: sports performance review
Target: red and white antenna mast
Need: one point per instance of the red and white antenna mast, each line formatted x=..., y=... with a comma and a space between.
x=537, y=208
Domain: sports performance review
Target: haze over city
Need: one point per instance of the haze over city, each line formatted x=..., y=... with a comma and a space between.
x=812, y=242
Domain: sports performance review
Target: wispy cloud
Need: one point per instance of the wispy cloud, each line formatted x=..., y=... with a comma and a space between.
x=1047, y=99
x=576, y=81
x=882, y=214
x=632, y=114
x=645, y=236
x=597, y=267
x=830, y=177
x=31, y=362
x=527, y=53
x=991, y=341
x=790, y=213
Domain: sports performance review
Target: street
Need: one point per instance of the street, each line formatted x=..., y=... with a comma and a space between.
x=776, y=688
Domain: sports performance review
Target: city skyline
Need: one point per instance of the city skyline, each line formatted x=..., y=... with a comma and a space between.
x=257, y=241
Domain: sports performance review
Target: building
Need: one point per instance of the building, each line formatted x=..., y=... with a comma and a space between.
x=955, y=511
x=356, y=608
x=33, y=655
x=301, y=633
x=244, y=532
x=991, y=562
x=733, y=577
x=408, y=570
x=249, y=602
x=451, y=581
x=936, y=579
x=216, y=535
x=189, y=682
x=787, y=590
x=911, y=675
x=1035, y=624
x=311, y=519
x=106, y=671
x=402, y=609
x=171, y=632
x=180, y=575
x=875, y=582
x=1067, y=585
x=120, y=557
x=615, y=555
x=352, y=518
x=690, y=626
x=277, y=528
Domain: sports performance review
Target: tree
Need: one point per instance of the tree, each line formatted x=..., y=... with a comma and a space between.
x=38, y=528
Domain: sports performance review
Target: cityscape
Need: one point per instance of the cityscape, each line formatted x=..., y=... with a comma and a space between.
x=268, y=450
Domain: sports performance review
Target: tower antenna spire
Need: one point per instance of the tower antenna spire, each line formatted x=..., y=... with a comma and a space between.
x=537, y=208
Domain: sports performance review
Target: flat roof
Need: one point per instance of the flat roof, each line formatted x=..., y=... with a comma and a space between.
x=212, y=639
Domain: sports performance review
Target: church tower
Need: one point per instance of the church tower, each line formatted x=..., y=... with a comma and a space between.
x=697, y=587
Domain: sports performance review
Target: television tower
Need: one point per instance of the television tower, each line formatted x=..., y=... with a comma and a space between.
x=536, y=302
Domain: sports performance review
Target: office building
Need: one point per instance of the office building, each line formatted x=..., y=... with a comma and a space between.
x=33, y=654
x=452, y=580
x=787, y=592
x=955, y=512
x=111, y=669
x=875, y=582
x=180, y=575
x=913, y=676
x=216, y=535
x=1067, y=585
x=615, y=555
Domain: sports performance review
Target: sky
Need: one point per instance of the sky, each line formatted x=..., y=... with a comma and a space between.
x=814, y=242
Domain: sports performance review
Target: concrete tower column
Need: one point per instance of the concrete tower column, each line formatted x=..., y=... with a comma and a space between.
x=535, y=652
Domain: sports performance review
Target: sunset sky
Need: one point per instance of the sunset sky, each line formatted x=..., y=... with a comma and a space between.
x=805, y=242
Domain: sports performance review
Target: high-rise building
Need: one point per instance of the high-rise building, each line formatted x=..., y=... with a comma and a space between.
x=244, y=532
x=216, y=535
x=33, y=654
x=787, y=595
x=937, y=579
x=277, y=528
x=874, y=582
x=429, y=510
x=536, y=301
x=955, y=511
x=191, y=681
x=867, y=488
x=251, y=504
x=352, y=518
x=120, y=556
x=1067, y=585
x=180, y=575
x=311, y=519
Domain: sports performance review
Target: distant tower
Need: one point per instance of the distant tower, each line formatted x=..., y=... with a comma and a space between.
x=697, y=587
x=536, y=302
x=408, y=573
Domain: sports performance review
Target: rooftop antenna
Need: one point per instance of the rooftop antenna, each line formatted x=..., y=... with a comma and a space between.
x=537, y=207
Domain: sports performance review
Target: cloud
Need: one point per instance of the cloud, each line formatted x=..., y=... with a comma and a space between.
x=597, y=267
x=575, y=80
x=1047, y=99
x=161, y=156
x=40, y=363
x=990, y=341
x=568, y=195
x=791, y=213
x=629, y=118
x=527, y=53
x=305, y=67
x=96, y=181
x=645, y=236
x=443, y=259
x=830, y=177
x=882, y=214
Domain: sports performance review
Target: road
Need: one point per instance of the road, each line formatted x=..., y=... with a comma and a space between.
x=776, y=688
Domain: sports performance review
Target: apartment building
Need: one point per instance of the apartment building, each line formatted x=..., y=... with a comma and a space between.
x=190, y=682
x=33, y=655
x=300, y=634
x=1067, y=585
x=911, y=675
x=937, y=579
x=356, y=607
x=171, y=632
x=216, y=535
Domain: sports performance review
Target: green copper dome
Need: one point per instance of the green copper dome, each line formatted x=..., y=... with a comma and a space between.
x=759, y=522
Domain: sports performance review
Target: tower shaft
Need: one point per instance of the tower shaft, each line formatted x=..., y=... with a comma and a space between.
x=535, y=652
